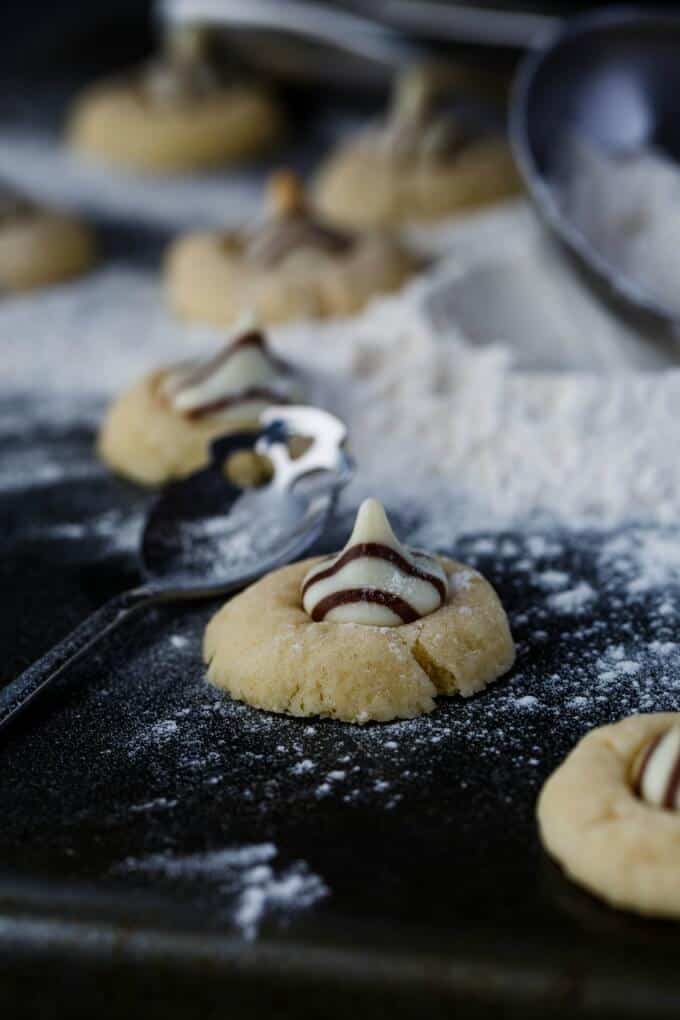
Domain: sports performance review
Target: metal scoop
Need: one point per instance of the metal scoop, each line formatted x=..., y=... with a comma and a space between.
x=206, y=536
x=604, y=83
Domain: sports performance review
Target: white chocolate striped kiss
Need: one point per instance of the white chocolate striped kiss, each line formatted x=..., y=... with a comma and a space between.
x=291, y=226
x=421, y=123
x=374, y=580
x=236, y=385
x=657, y=776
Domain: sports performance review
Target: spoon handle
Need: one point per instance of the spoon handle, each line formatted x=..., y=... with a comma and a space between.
x=19, y=693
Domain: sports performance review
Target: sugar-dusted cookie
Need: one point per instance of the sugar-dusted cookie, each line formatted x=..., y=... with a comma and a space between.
x=290, y=266
x=39, y=246
x=610, y=814
x=182, y=111
x=377, y=631
x=162, y=427
x=422, y=163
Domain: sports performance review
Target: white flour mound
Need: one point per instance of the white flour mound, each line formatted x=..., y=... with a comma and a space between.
x=491, y=390
x=435, y=420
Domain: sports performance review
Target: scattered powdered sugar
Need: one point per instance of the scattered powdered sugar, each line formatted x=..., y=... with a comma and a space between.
x=628, y=206
x=244, y=880
x=164, y=729
x=644, y=559
x=553, y=579
x=605, y=661
x=574, y=600
x=462, y=418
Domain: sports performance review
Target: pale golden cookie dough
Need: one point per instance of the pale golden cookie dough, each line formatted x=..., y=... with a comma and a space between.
x=290, y=266
x=147, y=442
x=264, y=649
x=421, y=163
x=605, y=837
x=41, y=248
x=113, y=123
x=208, y=280
x=181, y=111
x=361, y=186
x=163, y=427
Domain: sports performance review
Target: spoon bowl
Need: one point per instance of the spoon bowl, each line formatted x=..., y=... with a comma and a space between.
x=205, y=533
x=206, y=536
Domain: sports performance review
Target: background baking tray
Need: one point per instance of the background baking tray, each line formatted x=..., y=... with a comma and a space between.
x=118, y=790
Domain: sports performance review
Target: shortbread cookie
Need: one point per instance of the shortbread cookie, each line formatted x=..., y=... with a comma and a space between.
x=421, y=164
x=376, y=632
x=162, y=428
x=182, y=111
x=39, y=246
x=610, y=814
x=290, y=266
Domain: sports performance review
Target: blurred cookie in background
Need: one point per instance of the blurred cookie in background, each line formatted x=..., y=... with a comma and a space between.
x=162, y=427
x=289, y=265
x=38, y=245
x=185, y=109
x=427, y=159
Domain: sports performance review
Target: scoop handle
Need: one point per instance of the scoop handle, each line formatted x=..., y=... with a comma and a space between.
x=22, y=691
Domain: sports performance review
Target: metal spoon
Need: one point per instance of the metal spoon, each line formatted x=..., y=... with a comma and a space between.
x=609, y=80
x=205, y=536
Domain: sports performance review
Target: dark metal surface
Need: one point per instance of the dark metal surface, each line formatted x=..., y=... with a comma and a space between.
x=440, y=897
x=441, y=902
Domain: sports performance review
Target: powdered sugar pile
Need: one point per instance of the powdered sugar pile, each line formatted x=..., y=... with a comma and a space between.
x=627, y=205
x=480, y=442
x=497, y=384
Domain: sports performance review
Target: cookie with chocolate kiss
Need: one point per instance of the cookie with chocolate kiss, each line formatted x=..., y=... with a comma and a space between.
x=422, y=163
x=328, y=637
x=292, y=265
x=39, y=246
x=162, y=427
x=184, y=110
x=610, y=814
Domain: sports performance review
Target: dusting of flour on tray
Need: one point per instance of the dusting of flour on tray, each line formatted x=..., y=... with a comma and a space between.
x=244, y=880
x=495, y=425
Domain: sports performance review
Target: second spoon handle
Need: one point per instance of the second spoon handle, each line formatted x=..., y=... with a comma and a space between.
x=19, y=693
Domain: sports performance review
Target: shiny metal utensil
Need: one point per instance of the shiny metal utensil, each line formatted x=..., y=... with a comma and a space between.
x=498, y=24
x=205, y=536
x=320, y=23
x=609, y=80
x=358, y=43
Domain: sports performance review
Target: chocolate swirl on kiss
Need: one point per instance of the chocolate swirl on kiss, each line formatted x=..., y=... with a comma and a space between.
x=400, y=607
x=382, y=552
x=291, y=226
x=189, y=68
x=424, y=122
x=657, y=775
x=374, y=580
x=239, y=381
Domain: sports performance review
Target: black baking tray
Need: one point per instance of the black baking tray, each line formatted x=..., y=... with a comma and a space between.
x=441, y=901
